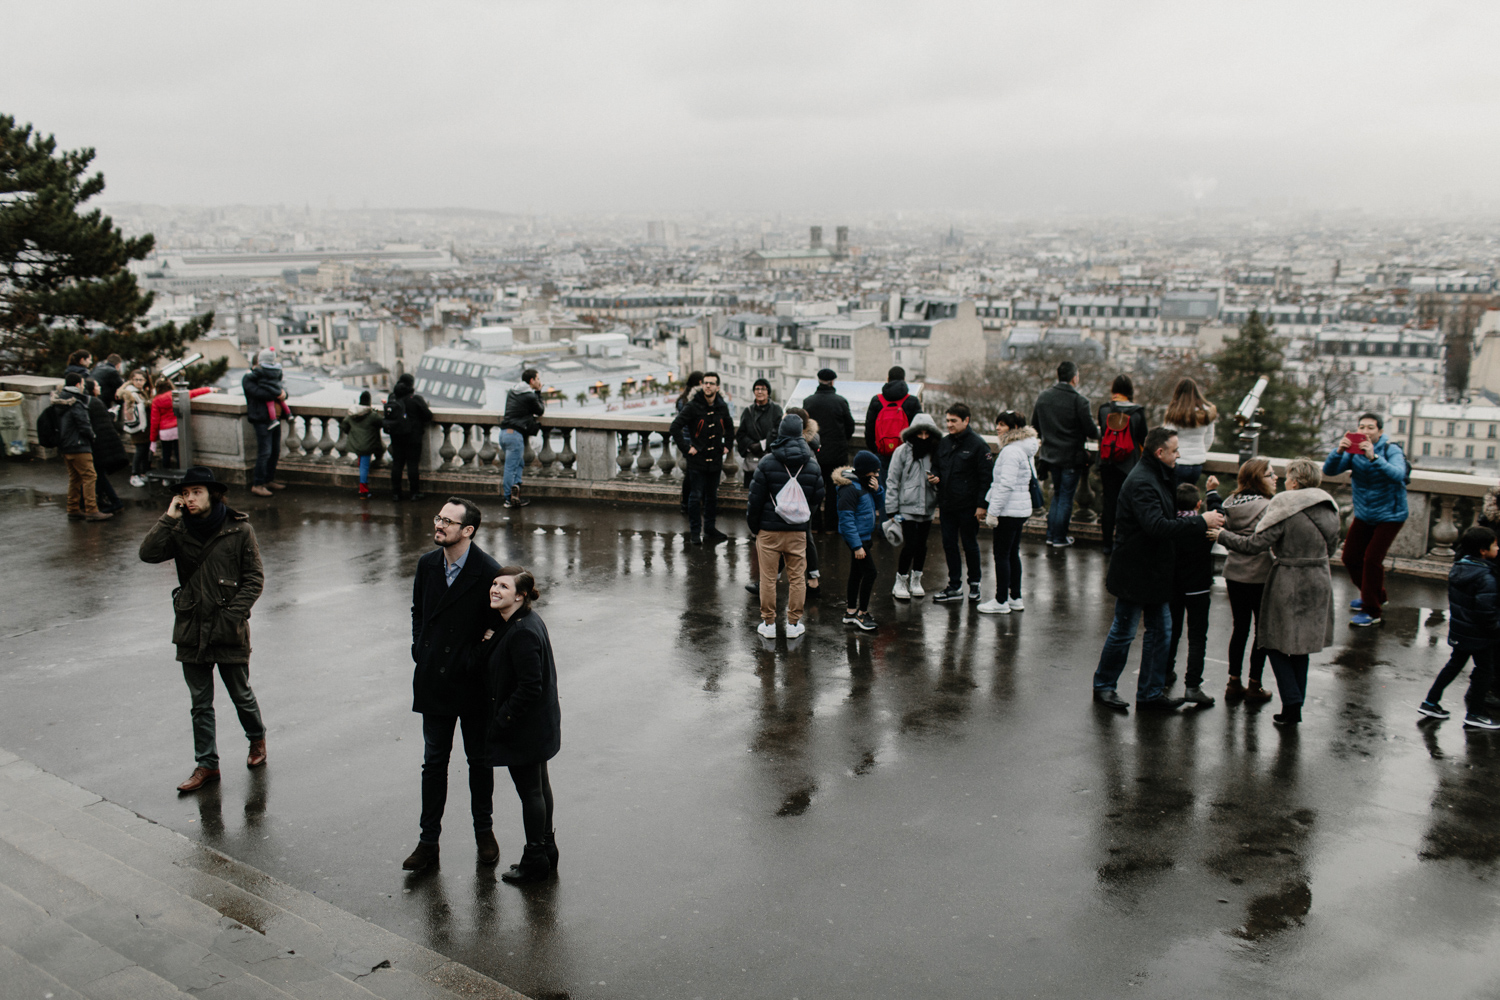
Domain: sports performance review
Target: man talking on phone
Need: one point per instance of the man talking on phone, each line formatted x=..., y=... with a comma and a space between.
x=1378, y=472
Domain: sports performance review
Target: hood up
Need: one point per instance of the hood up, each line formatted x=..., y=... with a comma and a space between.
x=921, y=422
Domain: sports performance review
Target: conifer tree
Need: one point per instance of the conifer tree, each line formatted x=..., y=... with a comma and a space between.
x=64, y=277
x=1257, y=352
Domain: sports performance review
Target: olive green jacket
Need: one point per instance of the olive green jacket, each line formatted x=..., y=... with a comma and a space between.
x=219, y=580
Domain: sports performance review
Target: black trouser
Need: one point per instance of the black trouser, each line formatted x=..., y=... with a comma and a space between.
x=168, y=451
x=961, y=528
x=1480, y=678
x=1196, y=608
x=1113, y=477
x=535, y=791
x=861, y=580
x=141, y=463
x=407, y=455
x=1291, y=676
x=437, y=738
x=830, y=495
x=703, y=496
x=1244, y=605
x=104, y=492
x=1008, y=557
x=914, y=547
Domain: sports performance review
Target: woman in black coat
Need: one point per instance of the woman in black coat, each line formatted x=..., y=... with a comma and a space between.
x=109, y=450
x=525, y=728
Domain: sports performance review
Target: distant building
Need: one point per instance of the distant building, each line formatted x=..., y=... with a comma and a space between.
x=1188, y=312
x=933, y=336
x=774, y=261
x=1448, y=435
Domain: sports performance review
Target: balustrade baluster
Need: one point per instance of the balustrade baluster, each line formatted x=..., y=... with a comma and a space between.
x=528, y=456
x=731, y=466
x=624, y=459
x=568, y=456
x=467, y=452
x=325, y=442
x=666, y=463
x=342, y=445
x=487, y=450
x=547, y=456
x=288, y=436
x=1444, y=532
x=309, y=439
x=1083, y=507
x=644, y=462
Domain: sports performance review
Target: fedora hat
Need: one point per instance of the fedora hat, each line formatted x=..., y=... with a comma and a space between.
x=199, y=475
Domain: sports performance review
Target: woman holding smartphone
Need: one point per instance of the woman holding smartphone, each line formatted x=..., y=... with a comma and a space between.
x=525, y=728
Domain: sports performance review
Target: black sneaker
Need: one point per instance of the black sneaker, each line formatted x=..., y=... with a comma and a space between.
x=973, y=591
x=866, y=623
x=1433, y=710
x=694, y=538
x=949, y=595
x=1162, y=704
x=1478, y=720
x=1062, y=543
x=851, y=617
x=714, y=534
x=754, y=588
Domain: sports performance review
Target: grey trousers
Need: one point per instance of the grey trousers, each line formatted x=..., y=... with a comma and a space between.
x=200, y=682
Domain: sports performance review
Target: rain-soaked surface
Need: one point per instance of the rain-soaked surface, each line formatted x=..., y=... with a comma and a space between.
x=937, y=809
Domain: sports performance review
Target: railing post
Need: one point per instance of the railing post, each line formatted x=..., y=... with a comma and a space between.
x=568, y=456
x=623, y=458
x=644, y=461
x=596, y=456
x=467, y=452
x=546, y=456
x=1444, y=531
x=666, y=463
x=487, y=450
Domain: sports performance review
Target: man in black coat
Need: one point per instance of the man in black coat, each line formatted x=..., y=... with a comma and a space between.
x=962, y=468
x=894, y=391
x=1062, y=419
x=759, y=423
x=703, y=431
x=835, y=428
x=1141, y=574
x=449, y=610
x=107, y=374
x=406, y=418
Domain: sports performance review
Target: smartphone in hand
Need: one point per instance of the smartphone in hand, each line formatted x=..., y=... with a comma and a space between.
x=1356, y=441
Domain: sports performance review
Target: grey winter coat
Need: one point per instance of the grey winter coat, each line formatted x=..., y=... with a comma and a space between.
x=907, y=491
x=1301, y=529
x=1241, y=511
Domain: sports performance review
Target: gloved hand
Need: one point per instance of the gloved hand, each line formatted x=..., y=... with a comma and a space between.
x=991, y=521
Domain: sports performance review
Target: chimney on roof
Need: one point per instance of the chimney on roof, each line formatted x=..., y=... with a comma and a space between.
x=841, y=241
x=817, y=237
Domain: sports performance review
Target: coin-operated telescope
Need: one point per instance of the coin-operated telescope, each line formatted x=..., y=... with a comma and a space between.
x=1247, y=418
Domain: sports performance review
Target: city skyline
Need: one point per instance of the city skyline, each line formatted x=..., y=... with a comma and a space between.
x=1015, y=111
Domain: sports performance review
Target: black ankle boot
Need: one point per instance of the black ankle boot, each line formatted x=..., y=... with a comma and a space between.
x=550, y=841
x=534, y=866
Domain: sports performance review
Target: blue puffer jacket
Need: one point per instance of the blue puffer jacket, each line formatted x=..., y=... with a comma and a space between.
x=1473, y=604
x=857, y=506
x=1379, y=483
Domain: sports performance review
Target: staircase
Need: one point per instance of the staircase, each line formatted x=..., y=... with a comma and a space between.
x=97, y=902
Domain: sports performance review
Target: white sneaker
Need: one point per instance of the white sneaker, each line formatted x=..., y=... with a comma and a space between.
x=914, y=585
x=1016, y=604
x=792, y=631
x=899, y=591
x=994, y=608
x=767, y=629
x=137, y=481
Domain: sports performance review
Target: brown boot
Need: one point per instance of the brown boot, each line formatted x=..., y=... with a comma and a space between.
x=261, y=491
x=1234, y=691
x=1255, y=694
x=425, y=856
x=489, y=848
x=257, y=753
x=201, y=776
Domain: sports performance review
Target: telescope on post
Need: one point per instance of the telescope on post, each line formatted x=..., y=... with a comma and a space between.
x=1247, y=417
x=182, y=406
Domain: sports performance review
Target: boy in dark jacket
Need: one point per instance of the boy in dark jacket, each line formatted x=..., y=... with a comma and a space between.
x=1473, y=626
x=1191, y=591
x=859, y=498
x=962, y=471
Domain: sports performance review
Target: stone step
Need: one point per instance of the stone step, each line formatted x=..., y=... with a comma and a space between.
x=99, y=853
x=24, y=981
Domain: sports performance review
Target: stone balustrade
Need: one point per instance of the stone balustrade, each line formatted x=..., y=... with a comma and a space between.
x=632, y=459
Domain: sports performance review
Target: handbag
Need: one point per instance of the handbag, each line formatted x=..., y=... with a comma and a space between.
x=1037, y=500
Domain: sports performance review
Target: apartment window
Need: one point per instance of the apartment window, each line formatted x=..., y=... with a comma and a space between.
x=1468, y=451
x=1401, y=426
x=1452, y=428
x=421, y=385
x=1471, y=431
x=833, y=342
x=1447, y=451
x=1492, y=430
x=468, y=393
x=1427, y=427
x=1427, y=447
x=1490, y=452
x=450, y=390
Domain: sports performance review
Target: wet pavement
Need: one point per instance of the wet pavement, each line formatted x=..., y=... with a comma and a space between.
x=937, y=809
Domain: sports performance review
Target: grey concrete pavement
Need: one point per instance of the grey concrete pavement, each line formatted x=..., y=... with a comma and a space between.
x=934, y=810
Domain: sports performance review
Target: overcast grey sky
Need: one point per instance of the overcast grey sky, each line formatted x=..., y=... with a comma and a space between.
x=764, y=106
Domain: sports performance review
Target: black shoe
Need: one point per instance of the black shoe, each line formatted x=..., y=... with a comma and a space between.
x=812, y=593
x=549, y=846
x=489, y=848
x=694, y=538
x=535, y=866
x=713, y=534
x=1112, y=700
x=419, y=496
x=514, y=502
x=973, y=591
x=1291, y=716
x=851, y=617
x=866, y=623
x=397, y=497
x=424, y=857
x=1162, y=704
x=1169, y=681
x=754, y=588
x=948, y=596
x=1479, y=720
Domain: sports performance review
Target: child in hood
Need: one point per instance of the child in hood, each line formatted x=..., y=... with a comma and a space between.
x=362, y=427
x=858, y=498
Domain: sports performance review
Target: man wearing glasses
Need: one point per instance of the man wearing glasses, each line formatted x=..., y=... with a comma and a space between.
x=704, y=431
x=449, y=606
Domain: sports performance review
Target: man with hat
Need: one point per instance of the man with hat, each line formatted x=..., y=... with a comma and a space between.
x=219, y=579
x=835, y=428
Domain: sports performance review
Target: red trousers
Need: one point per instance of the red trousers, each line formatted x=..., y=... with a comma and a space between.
x=1364, y=557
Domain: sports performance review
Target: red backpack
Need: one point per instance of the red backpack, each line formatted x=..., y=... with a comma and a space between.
x=1117, y=444
x=889, y=424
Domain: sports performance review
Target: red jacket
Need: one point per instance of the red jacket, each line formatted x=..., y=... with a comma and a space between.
x=162, y=414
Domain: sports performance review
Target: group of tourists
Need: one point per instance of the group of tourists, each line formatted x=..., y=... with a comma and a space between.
x=483, y=663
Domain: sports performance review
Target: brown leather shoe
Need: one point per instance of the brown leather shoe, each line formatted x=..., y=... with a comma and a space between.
x=276, y=486
x=201, y=776
x=489, y=848
x=261, y=491
x=97, y=515
x=425, y=856
x=257, y=753
x=1255, y=694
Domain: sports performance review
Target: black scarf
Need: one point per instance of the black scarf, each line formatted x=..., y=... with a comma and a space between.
x=205, y=527
x=921, y=447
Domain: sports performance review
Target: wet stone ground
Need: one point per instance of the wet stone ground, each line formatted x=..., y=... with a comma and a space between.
x=936, y=809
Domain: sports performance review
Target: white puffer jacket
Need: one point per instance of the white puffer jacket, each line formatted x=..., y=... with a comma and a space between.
x=1010, y=489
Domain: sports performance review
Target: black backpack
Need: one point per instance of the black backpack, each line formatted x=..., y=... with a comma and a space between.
x=49, y=426
x=396, y=422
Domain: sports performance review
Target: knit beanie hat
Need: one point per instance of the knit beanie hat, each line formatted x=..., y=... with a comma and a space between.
x=865, y=463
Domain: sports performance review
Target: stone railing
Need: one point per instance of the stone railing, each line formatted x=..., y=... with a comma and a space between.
x=631, y=459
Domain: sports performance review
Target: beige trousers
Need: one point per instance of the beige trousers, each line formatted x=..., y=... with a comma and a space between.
x=770, y=546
